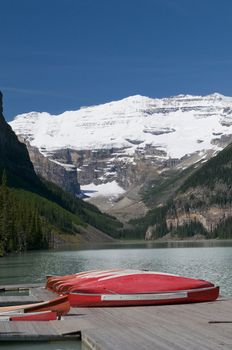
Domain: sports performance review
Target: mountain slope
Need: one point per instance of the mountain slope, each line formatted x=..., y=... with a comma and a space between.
x=206, y=196
x=132, y=142
x=14, y=156
x=34, y=213
x=201, y=206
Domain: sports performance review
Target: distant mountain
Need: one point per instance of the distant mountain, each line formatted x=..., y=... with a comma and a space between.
x=133, y=124
x=134, y=142
x=36, y=214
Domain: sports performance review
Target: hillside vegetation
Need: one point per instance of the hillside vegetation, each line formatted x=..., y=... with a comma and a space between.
x=29, y=220
x=202, y=205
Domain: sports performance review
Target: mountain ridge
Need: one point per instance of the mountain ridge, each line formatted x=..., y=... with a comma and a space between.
x=53, y=136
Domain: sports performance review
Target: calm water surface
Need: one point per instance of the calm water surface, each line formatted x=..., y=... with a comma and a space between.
x=212, y=263
x=205, y=260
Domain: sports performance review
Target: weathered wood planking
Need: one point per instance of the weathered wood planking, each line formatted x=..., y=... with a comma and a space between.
x=37, y=331
x=173, y=327
x=20, y=286
x=17, y=300
x=36, y=294
x=169, y=327
x=42, y=294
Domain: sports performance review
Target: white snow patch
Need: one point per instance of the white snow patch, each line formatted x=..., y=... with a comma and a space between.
x=69, y=167
x=109, y=190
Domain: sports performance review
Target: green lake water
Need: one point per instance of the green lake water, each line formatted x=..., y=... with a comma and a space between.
x=205, y=260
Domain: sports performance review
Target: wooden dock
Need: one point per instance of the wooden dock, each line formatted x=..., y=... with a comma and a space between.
x=204, y=326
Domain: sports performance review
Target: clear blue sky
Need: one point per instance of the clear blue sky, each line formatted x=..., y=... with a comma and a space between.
x=58, y=55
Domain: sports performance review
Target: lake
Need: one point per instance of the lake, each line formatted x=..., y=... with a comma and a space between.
x=210, y=260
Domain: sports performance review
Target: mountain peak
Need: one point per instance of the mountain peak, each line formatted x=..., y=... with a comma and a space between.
x=136, y=98
x=217, y=95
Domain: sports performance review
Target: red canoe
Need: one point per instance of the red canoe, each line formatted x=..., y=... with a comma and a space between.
x=142, y=299
x=60, y=306
x=132, y=287
x=60, y=283
x=52, y=280
x=37, y=316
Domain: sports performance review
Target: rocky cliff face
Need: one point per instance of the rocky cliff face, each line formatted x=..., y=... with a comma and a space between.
x=186, y=210
x=54, y=169
x=209, y=217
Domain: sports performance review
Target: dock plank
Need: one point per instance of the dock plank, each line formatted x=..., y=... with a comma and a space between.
x=42, y=294
x=166, y=327
x=34, y=331
x=20, y=286
x=17, y=300
x=161, y=327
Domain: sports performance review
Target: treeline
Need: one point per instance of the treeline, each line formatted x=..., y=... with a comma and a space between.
x=21, y=227
x=87, y=212
x=155, y=217
x=188, y=230
x=29, y=220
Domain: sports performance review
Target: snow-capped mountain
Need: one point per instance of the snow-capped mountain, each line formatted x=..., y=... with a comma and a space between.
x=133, y=123
x=126, y=140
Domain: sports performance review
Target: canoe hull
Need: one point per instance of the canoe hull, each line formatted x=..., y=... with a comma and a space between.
x=59, y=305
x=38, y=316
x=161, y=298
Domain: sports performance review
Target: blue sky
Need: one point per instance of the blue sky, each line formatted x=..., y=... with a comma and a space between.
x=58, y=55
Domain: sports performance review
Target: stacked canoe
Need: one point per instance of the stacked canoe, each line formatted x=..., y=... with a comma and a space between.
x=44, y=311
x=122, y=287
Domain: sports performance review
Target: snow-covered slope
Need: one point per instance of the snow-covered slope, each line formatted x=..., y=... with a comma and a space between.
x=177, y=125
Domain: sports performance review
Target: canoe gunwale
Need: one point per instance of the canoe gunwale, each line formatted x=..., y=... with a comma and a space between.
x=115, y=300
x=160, y=293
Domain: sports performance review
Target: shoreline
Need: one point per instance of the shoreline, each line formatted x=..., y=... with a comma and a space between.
x=160, y=240
x=144, y=243
x=184, y=243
